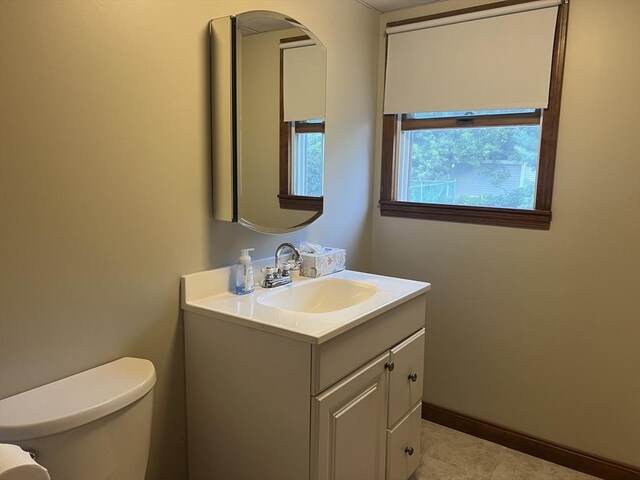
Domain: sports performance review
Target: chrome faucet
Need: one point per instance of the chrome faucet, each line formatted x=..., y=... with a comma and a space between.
x=294, y=250
x=280, y=275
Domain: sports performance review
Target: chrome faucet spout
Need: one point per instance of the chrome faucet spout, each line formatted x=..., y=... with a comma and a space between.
x=281, y=247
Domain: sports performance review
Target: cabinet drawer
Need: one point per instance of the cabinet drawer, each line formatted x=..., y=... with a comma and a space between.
x=403, y=446
x=342, y=355
x=405, y=382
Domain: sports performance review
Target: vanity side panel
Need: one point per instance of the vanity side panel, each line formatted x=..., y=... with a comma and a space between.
x=248, y=406
x=343, y=354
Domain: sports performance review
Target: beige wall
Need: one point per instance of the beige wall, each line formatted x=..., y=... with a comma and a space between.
x=260, y=132
x=540, y=331
x=105, y=194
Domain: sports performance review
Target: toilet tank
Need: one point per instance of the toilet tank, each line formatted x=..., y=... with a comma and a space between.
x=94, y=425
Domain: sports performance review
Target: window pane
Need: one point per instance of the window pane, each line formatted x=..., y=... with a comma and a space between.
x=468, y=113
x=307, y=164
x=487, y=166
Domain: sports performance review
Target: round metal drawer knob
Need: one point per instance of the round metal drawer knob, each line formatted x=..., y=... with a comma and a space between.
x=389, y=366
x=413, y=377
x=408, y=451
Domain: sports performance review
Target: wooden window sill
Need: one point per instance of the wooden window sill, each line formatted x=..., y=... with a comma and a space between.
x=299, y=202
x=501, y=217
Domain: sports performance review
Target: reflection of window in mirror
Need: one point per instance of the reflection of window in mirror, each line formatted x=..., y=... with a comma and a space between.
x=301, y=126
x=306, y=154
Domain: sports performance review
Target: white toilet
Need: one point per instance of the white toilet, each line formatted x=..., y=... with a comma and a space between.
x=95, y=425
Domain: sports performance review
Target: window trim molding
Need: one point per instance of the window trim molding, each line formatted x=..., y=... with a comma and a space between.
x=503, y=120
x=540, y=217
x=460, y=11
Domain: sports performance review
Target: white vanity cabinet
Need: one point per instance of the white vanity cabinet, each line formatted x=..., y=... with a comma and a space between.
x=273, y=405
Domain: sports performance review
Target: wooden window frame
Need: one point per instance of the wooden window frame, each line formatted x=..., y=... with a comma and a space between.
x=540, y=217
x=287, y=200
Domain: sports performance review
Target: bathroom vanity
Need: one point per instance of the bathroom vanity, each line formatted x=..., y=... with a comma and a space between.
x=319, y=379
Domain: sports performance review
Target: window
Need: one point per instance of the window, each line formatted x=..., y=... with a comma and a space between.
x=307, y=158
x=491, y=163
x=486, y=158
x=301, y=165
x=301, y=133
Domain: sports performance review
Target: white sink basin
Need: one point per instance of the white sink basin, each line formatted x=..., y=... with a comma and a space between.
x=319, y=296
x=313, y=310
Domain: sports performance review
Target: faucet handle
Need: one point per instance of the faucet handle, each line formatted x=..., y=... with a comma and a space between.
x=285, y=269
x=268, y=272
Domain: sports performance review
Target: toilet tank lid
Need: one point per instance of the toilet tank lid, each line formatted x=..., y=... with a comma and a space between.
x=76, y=400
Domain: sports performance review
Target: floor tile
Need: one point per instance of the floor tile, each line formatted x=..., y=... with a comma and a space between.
x=431, y=469
x=519, y=466
x=451, y=455
x=584, y=476
x=431, y=432
x=467, y=455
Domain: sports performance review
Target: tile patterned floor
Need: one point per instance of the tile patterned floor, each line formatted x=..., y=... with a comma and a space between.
x=451, y=455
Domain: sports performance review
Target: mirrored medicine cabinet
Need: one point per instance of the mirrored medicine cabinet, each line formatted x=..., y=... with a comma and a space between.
x=268, y=77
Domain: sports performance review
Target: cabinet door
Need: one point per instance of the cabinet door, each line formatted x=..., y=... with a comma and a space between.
x=405, y=382
x=349, y=426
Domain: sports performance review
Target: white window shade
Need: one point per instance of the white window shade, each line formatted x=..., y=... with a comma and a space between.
x=495, y=63
x=304, y=83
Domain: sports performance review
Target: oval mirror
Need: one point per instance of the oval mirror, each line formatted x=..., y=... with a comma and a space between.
x=279, y=107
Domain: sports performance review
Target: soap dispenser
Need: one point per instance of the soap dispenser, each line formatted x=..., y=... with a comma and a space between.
x=244, y=273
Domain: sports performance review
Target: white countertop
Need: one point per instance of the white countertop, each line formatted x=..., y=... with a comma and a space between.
x=208, y=293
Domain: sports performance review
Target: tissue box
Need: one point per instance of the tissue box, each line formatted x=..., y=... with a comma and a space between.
x=317, y=265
